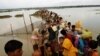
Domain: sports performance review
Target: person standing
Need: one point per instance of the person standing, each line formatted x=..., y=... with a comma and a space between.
x=69, y=49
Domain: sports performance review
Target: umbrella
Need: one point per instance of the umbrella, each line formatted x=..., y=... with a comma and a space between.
x=5, y=16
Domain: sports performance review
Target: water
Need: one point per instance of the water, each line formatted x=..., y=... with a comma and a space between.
x=89, y=16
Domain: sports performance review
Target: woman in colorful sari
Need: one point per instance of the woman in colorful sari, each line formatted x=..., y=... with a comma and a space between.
x=69, y=49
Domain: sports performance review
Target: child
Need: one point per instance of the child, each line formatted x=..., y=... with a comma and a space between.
x=13, y=48
x=36, y=52
x=61, y=39
x=48, y=51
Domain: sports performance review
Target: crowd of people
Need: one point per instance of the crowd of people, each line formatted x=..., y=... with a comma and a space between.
x=58, y=38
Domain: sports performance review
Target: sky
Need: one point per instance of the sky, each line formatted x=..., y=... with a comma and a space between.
x=8, y=4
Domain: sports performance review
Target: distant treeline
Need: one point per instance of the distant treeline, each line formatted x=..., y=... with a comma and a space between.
x=55, y=7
